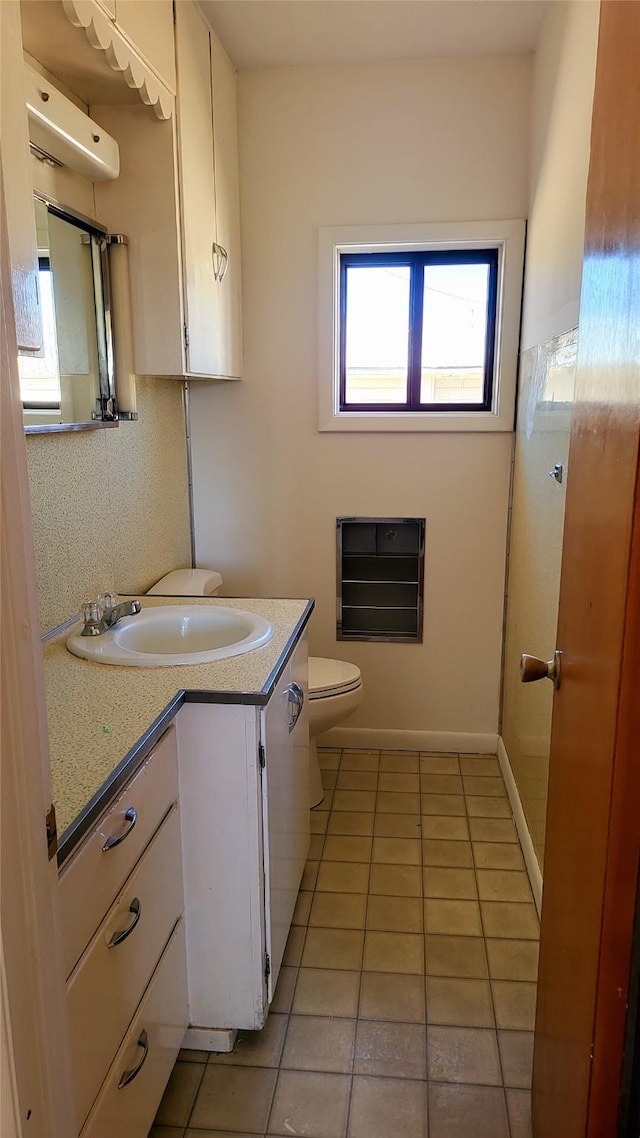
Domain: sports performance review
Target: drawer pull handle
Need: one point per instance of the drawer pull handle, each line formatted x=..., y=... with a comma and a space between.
x=128, y=1076
x=117, y=938
x=131, y=817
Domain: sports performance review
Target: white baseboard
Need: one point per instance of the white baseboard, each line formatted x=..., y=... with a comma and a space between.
x=209, y=1039
x=528, y=849
x=439, y=741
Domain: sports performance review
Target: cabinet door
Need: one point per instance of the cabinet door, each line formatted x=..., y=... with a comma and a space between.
x=225, y=149
x=149, y=26
x=21, y=226
x=285, y=733
x=197, y=189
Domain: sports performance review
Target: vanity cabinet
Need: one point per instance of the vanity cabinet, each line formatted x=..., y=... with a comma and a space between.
x=122, y=905
x=177, y=199
x=244, y=792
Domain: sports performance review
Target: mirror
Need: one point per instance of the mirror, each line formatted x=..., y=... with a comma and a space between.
x=70, y=385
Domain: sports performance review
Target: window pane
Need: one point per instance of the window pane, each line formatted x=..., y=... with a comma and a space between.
x=454, y=333
x=40, y=376
x=377, y=334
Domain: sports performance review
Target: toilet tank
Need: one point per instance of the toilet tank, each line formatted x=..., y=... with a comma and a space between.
x=188, y=583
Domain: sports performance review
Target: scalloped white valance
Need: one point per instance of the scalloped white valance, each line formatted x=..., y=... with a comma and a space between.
x=103, y=35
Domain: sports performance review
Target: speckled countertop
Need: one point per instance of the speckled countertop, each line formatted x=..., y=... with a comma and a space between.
x=103, y=719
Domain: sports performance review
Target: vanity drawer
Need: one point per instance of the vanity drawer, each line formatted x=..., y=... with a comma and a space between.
x=89, y=883
x=109, y=981
x=128, y=1111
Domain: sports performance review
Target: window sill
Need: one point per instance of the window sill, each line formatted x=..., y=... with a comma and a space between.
x=419, y=421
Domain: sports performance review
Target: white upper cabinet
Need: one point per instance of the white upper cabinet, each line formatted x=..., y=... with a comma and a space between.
x=225, y=149
x=149, y=26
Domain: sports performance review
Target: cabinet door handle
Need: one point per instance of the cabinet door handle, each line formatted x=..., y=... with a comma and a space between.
x=128, y=1076
x=215, y=253
x=225, y=263
x=295, y=696
x=131, y=816
x=136, y=909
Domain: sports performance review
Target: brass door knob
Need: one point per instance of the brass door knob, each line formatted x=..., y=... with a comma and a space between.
x=531, y=669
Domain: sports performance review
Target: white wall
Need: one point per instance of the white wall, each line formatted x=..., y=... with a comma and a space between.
x=437, y=140
x=562, y=99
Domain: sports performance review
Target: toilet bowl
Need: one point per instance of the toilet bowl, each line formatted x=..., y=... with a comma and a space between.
x=335, y=692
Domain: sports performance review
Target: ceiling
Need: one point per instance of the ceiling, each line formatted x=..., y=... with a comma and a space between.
x=289, y=33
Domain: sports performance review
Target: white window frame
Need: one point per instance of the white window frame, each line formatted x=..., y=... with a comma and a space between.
x=506, y=236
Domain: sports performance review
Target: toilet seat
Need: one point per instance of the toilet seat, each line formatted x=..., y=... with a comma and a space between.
x=331, y=677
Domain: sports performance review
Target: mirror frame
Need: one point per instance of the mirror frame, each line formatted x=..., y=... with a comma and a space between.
x=101, y=290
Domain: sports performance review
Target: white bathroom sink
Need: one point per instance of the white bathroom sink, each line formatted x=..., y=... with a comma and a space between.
x=174, y=634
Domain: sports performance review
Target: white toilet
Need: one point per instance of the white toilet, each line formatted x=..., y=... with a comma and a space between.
x=335, y=692
x=335, y=687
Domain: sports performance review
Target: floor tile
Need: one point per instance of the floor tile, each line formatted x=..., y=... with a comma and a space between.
x=180, y=1093
x=283, y=995
x=450, y=805
x=392, y=1049
x=395, y=914
x=401, y=763
x=457, y=884
x=333, y=948
x=342, y=877
x=319, y=820
x=483, y=785
x=396, y=851
x=309, y=875
x=384, y=1107
x=329, y=779
x=503, y=885
x=354, y=800
x=338, y=910
x=459, y=1002
x=396, y=880
x=392, y=996
x=395, y=802
x=455, y=956
x=438, y=852
x=326, y=992
x=489, y=807
x=168, y=1132
x=519, y=1108
x=303, y=907
x=397, y=826
x=234, y=1098
x=356, y=822
x=456, y=1110
x=505, y=919
x=393, y=952
x=357, y=780
x=444, y=828
x=316, y=844
x=360, y=761
x=440, y=784
x=515, y=1004
x=463, y=1055
x=191, y=1055
x=346, y=848
x=512, y=959
x=492, y=830
x=294, y=946
x=454, y=918
x=439, y=764
x=516, y=1054
x=319, y=1043
x=328, y=760
x=399, y=780
x=310, y=1103
x=256, y=1048
x=497, y=855
x=474, y=765
x=326, y=801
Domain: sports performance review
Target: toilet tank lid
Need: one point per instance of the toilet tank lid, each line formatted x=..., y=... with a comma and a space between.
x=331, y=677
x=187, y=583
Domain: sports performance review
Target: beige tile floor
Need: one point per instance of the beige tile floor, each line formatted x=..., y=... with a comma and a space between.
x=405, y=1003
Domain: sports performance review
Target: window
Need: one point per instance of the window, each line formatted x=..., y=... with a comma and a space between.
x=418, y=326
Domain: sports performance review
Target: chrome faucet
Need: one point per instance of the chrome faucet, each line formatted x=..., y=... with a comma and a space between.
x=101, y=615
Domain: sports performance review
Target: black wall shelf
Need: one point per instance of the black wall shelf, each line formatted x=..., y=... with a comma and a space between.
x=380, y=577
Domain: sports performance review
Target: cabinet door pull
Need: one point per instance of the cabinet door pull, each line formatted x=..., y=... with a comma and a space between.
x=128, y=1076
x=214, y=261
x=295, y=696
x=136, y=909
x=225, y=263
x=131, y=816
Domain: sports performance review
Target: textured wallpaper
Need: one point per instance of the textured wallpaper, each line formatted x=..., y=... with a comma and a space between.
x=110, y=507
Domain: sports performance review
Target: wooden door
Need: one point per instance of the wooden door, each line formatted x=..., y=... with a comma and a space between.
x=593, y=820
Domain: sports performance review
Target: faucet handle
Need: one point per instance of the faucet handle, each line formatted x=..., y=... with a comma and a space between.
x=92, y=611
x=109, y=601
